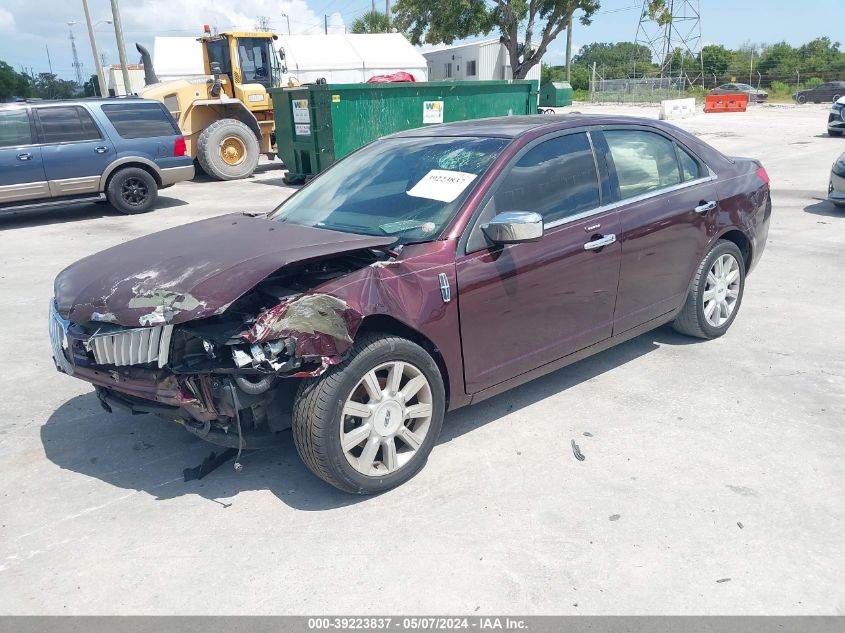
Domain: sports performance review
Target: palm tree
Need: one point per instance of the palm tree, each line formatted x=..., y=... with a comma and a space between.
x=371, y=22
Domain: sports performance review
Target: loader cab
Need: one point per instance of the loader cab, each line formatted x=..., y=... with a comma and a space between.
x=248, y=63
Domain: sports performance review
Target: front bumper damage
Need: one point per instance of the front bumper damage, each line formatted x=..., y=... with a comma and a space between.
x=236, y=394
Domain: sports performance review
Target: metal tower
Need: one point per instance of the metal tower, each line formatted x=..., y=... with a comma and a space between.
x=674, y=43
x=76, y=65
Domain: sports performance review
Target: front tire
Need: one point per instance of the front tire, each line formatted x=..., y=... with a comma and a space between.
x=228, y=150
x=132, y=190
x=801, y=99
x=368, y=424
x=716, y=293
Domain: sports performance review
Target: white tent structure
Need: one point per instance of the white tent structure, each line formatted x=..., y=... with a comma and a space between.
x=350, y=58
x=339, y=58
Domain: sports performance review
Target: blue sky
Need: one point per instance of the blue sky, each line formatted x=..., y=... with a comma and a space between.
x=27, y=26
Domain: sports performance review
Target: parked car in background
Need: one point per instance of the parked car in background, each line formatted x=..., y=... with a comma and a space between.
x=427, y=271
x=836, y=118
x=754, y=94
x=823, y=93
x=53, y=153
x=836, y=189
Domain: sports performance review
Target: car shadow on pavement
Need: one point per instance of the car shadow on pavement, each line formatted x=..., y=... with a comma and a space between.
x=148, y=454
x=825, y=208
x=26, y=218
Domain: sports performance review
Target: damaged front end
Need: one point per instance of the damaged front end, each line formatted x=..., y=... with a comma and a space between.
x=227, y=377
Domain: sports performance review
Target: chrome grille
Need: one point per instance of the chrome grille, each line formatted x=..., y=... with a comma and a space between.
x=132, y=347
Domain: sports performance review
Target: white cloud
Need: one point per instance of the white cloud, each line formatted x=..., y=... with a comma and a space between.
x=27, y=26
x=188, y=16
x=7, y=21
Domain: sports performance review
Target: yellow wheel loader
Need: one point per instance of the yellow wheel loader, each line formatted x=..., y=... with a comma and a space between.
x=226, y=117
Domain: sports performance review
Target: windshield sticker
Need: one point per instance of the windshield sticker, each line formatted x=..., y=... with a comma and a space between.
x=442, y=185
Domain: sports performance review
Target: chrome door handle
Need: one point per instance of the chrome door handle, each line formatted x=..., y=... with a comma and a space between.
x=604, y=240
x=705, y=207
x=24, y=156
x=101, y=149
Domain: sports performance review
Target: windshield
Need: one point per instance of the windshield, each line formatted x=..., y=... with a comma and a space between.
x=407, y=187
x=257, y=60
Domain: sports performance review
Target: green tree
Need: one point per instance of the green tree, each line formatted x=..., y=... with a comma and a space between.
x=548, y=74
x=91, y=88
x=525, y=27
x=619, y=59
x=780, y=60
x=13, y=83
x=372, y=22
x=821, y=56
x=716, y=59
x=49, y=86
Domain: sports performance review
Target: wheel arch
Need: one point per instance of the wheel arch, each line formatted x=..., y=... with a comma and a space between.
x=204, y=112
x=132, y=161
x=742, y=242
x=391, y=325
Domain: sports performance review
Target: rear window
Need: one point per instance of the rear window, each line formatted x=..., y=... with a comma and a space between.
x=140, y=120
x=67, y=124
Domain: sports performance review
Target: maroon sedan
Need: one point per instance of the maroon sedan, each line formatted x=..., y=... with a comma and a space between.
x=427, y=271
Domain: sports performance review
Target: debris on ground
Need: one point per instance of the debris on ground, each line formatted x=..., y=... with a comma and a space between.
x=740, y=525
x=209, y=464
x=577, y=452
x=615, y=517
x=723, y=580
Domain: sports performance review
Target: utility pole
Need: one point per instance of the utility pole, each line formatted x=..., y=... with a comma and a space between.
x=77, y=67
x=263, y=23
x=101, y=79
x=325, y=24
x=121, y=46
x=569, y=48
x=49, y=63
x=751, y=72
x=389, y=18
x=287, y=19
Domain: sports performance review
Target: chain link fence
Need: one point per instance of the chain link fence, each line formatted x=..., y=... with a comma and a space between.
x=640, y=89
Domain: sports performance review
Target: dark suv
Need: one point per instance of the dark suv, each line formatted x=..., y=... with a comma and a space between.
x=823, y=93
x=55, y=152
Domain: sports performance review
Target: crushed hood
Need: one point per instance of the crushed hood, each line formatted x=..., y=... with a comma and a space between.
x=191, y=271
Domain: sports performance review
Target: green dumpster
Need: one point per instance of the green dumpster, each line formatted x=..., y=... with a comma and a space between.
x=318, y=124
x=555, y=94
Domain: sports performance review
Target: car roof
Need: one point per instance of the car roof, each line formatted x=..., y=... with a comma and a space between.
x=516, y=126
x=59, y=102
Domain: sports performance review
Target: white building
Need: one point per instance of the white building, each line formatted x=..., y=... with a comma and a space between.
x=483, y=60
x=114, y=79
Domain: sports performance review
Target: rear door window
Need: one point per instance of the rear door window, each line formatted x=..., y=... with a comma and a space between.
x=140, y=120
x=67, y=124
x=14, y=128
x=643, y=161
x=689, y=166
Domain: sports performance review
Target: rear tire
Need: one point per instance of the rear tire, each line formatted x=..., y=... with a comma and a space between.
x=836, y=98
x=227, y=150
x=333, y=441
x=715, y=296
x=132, y=190
x=834, y=133
x=801, y=99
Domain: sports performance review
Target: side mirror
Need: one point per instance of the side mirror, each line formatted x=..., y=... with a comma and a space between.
x=514, y=227
x=216, y=86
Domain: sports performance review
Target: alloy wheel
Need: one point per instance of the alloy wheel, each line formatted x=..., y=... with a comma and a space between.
x=134, y=191
x=386, y=418
x=721, y=290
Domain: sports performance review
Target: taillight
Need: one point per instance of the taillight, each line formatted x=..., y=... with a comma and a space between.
x=179, y=148
x=762, y=175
